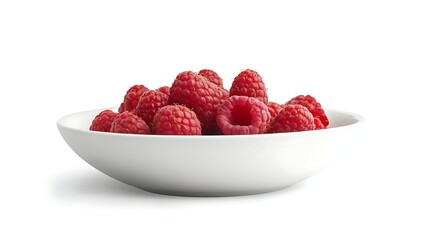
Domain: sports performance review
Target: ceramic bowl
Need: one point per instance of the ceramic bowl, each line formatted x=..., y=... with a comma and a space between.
x=209, y=165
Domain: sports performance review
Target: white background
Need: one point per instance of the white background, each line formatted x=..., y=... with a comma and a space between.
x=369, y=57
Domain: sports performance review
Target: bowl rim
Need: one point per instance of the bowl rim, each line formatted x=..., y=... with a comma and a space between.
x=61, y=124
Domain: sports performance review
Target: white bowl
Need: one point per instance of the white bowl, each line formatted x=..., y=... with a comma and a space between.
x=208, y=165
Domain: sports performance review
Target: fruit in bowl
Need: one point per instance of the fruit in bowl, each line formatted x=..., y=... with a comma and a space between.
x=194, y=144
x=199, y=100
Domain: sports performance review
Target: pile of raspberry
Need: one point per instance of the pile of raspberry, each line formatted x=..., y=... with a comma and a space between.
x=198, y=104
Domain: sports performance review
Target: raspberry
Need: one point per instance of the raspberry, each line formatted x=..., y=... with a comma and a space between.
x=312, y=105
x=132, y=97
x=103, y=121
x=211, y=76
x=274, y=109
x=249, y=83
x=121, y=108
x=319, y=125
x=127, y=122
x=242, y=115
x=200, y=95
x=149, y=103
x=176, y=120
x=133, y=111
x=293, y=118
x=164, y=89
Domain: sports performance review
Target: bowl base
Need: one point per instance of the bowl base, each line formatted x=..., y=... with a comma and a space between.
x=211, y=194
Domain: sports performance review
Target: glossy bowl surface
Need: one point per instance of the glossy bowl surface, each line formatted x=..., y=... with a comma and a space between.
x=209, y=165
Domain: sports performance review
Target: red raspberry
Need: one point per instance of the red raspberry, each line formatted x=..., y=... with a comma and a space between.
x=274, y=109
x=176, y=120
x=212, y=76
x=103, y=121
x=149, y=103
x=293, y=118
x=132, y=97
x=312, y=105
x=121, y=108
x=127, y=122
x=200, y=95
x=164, y=89
x=319, y=125
x=242, y=115
x=133, y=111
x=249, y=83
